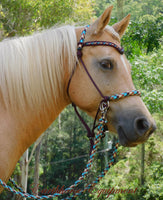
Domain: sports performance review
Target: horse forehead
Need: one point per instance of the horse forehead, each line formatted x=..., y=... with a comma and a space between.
x=109, y=35
x=110, y=30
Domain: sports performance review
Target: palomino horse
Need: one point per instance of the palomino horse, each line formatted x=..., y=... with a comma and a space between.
x=34, y=76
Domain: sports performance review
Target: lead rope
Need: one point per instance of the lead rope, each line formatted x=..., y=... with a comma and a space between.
x=102, y=121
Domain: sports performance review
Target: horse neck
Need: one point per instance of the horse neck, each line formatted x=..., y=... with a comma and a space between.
x=18, y=131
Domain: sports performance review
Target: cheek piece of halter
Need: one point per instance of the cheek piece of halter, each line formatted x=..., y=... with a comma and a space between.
x=104, y=104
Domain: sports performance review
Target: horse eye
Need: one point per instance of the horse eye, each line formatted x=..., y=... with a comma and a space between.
x=106, y=64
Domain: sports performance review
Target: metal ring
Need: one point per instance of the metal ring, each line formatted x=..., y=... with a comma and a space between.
x=104, y=106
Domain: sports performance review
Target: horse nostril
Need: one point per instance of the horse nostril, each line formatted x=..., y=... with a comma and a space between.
x=141, y=125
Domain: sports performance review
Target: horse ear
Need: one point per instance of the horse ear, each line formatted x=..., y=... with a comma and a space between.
x=102, y=21
x=121, y=26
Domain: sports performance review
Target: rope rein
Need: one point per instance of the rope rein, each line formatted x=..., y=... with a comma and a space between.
x=102, y=122
x=103, y=109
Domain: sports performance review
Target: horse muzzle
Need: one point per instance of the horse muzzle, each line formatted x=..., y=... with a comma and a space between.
x=133, y=128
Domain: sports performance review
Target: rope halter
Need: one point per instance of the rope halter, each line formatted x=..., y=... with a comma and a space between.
x=105, y=99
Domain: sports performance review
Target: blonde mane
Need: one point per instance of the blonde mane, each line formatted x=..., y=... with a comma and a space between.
x=32, y=67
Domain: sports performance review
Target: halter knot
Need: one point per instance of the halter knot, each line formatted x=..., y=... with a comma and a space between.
x=79, y=53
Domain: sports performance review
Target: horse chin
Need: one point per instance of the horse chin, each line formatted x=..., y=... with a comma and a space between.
x=124, y=141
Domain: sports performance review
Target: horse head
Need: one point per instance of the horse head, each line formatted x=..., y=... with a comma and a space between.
x=111, y=72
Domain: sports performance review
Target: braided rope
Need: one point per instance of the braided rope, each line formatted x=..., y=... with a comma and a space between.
x=16, y=186
x=91, y=185
x=104, y=43
x=123, y=95
x=81, y=43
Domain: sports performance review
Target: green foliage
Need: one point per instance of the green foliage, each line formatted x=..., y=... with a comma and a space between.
x=19, y=16
x=22, y=17
x=139, y=8
x=143, y=36
x=52, y=12
x=82, y=11
x=148, y=77
x=100, y=6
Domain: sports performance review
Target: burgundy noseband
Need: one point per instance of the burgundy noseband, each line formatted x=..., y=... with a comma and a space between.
x=105, y=99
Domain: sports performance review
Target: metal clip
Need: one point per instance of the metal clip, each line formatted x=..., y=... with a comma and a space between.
x=104, y=106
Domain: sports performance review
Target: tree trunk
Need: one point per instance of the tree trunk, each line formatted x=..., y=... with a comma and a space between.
x=24, y=163
x=17, y=178
x=24, y=175
x=45, y=147
x=59, y=122
x=120, y=13
x=36, y=173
